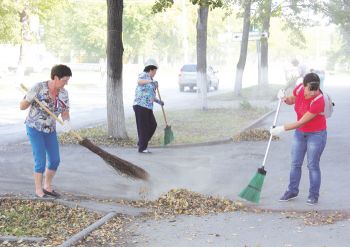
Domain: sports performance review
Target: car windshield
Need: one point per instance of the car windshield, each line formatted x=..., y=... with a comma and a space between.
x=189, y=68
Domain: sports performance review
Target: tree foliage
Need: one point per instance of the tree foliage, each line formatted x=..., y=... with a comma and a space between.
x=339, y=14
x=297, y=15
x=79, y=31
x=162, y=5
x=12, y=12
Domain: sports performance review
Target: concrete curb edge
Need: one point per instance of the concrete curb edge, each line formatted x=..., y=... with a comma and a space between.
x=85, y=232
x=23, y=238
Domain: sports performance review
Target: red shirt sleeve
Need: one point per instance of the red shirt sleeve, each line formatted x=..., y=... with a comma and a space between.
x=317, y=106
x=298, y=87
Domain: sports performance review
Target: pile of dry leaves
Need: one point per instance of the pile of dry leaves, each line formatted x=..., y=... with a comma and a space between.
x=254, y=135
x=182, y=201
x=316, y=218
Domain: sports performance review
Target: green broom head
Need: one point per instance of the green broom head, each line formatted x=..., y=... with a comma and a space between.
x=252, y=191
x=168, y=135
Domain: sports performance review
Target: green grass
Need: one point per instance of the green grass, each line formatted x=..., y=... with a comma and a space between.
x=251, y=93
x=189, y=126
x=193, y=125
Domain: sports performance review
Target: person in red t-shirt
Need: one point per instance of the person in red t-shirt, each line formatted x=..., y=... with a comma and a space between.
x=309, y=138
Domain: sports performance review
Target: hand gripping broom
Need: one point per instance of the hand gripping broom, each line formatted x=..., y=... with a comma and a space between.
x=252, y=191
x=120, y=165
x=168, y=133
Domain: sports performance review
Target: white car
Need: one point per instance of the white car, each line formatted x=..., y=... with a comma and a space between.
x=188, y=77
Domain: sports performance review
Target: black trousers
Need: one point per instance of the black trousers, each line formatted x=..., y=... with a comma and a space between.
x=146, y=125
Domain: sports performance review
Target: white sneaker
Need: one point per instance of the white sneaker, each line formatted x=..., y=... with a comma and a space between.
x=146, y=151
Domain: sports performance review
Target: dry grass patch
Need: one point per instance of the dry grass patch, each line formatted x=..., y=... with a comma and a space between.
x=189, y=126
x=49, y=220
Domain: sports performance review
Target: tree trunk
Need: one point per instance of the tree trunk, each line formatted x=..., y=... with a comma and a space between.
x=23, y=18
x=264, y=75
x=244, y=47
x=115, y=106
x=20, y=70
x=202, y=23
x=185, y=31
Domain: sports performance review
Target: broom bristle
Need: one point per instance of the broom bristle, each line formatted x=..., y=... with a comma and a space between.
x=168, y=135
x=120, y=165
x=252, y=191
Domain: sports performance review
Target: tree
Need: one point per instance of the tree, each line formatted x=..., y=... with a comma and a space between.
x=292, y=12
x=135, y=24
x=14, y=13
x=202, y=26
x=9, y=25
x=244, y=46
x=115, y=106
x=338, y=12
x=16, y=17
x=266, y=16
x=78, y=32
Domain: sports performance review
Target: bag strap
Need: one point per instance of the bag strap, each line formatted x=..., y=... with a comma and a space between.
x=316, y=98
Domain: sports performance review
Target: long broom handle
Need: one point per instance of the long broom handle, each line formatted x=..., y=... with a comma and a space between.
x=51, y=114
x=166, y=123
x=274, y=125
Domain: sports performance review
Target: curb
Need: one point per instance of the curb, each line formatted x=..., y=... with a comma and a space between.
x=73, y=239
x=16, y=239
x=85, y=232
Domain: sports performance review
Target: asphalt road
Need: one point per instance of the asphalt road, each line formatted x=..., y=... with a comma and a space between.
x=220, y=170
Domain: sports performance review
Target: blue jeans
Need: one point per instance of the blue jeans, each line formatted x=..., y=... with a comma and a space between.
x=44, y=144
x=312, y=144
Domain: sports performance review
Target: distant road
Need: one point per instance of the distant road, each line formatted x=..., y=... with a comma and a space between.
x=88, y=101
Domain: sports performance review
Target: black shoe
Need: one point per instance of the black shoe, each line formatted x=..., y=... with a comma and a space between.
x=312, y=201
x=288, y=196
x=52, y=193
x=42, y=197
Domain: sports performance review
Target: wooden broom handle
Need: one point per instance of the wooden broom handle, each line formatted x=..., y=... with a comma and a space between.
x=166, y=123
x=51, y=114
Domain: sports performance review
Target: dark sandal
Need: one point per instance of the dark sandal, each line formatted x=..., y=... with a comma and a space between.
x=41, y=197
x=52, y=193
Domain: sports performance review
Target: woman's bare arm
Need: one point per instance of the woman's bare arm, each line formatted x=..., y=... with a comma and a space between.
x=24, y=104
x=308, y=116
x=65, y=115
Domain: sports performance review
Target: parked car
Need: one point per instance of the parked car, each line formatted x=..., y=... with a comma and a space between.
x=188, y=77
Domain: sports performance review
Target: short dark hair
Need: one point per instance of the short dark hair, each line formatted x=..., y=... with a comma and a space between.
x=149, y=68
x=60, y=71
x=313, y=79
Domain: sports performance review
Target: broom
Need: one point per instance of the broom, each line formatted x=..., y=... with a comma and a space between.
x=168, y=133
x=252, y=191
x=120, y=165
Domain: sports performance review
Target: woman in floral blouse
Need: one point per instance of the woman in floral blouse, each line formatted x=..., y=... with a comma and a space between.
x=145, y=95
x=41, y=127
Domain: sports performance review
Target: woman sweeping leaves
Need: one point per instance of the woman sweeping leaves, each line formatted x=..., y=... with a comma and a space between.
x=41, y=127
x=145, y=95
x=309, y=138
